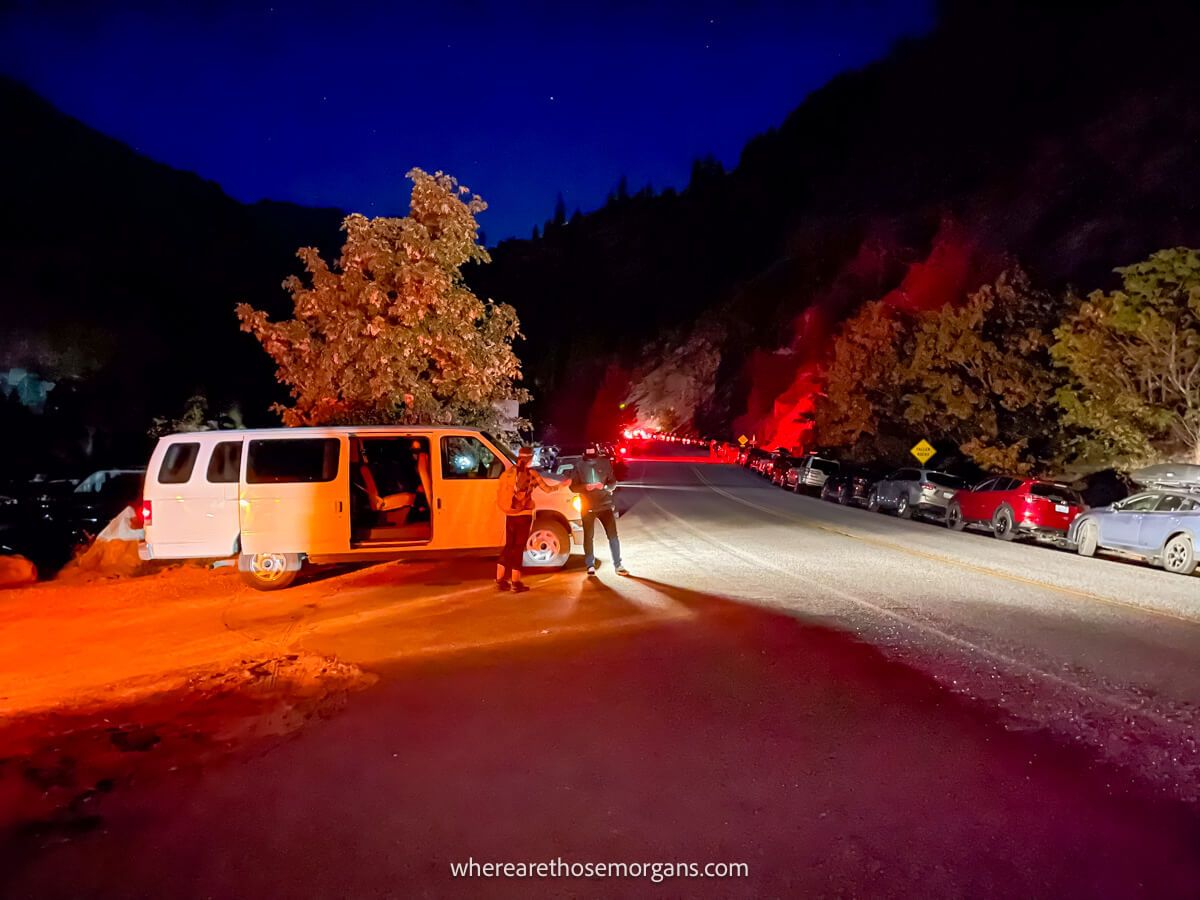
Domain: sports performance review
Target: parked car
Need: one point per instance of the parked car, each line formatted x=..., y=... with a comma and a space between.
x=780, y=465
x=1160, y=525
x=762, y=463
x=85, y=511
x=1011, y=507
x=912, y=491
x=754, y=455
x=811, y=473
x=850, y=485
x=281, y=497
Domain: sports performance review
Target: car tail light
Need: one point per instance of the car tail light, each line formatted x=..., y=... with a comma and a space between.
x=928, y=486
x=624, y=451
x=147, y=514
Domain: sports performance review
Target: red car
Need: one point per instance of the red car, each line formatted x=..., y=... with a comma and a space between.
x=1012, y=507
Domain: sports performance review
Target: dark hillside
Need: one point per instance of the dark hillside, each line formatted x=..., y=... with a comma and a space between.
x=118, y=266
x=1063, y=137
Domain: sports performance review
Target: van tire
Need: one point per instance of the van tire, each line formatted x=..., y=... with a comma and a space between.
x=269, y=571
x=549, y=546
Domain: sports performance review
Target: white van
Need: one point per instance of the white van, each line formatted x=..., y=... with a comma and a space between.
x=280, y=497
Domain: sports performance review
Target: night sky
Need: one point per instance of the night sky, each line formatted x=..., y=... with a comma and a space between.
x=329, y=104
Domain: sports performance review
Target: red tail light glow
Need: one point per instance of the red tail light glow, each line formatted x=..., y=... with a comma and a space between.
x=147, y=513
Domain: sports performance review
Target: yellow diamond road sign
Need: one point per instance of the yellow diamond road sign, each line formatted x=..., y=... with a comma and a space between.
x=742, y=440
x=923, y=452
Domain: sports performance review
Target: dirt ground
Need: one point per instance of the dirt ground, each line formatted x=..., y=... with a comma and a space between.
x=95, y=672
x=189, y=662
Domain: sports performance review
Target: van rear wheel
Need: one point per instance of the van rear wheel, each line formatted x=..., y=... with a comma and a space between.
x=549, y=545
x=269, y=571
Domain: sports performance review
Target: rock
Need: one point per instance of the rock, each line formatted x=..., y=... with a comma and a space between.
x=16, y=571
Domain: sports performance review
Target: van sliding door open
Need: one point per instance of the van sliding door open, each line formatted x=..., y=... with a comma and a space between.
x=392, y=493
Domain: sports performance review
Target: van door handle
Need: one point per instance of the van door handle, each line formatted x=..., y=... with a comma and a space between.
x=439, y=503
x=339, y=506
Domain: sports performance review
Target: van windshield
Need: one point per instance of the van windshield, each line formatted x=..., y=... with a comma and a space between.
x=504, y=449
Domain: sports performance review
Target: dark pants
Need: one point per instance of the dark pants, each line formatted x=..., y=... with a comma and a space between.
x=516, y=536
x=607, y=518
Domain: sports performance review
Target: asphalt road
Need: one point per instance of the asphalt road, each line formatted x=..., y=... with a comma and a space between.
x=848, y=703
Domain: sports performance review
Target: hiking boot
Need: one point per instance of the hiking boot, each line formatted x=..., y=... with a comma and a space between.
x=519, y=587
x=503, y=584
x=591, y=570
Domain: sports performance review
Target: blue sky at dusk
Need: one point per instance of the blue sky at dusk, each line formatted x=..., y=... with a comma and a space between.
x=330, y=104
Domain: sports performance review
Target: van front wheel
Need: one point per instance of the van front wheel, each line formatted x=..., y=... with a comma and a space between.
x=269, y=571
x=549, y=545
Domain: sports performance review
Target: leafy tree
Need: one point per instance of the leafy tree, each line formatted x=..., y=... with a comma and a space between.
x=1133, y=362
x=979, y=374
x=197, y=417
x=860, y=384
x=392, y=333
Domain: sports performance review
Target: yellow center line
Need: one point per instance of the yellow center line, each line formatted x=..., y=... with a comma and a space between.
x=946, y=560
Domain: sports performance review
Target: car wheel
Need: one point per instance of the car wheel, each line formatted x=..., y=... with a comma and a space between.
x=1179, y=556
x=844, y=496
x=548, y=547
x=873, y=502
x=1003, y=524
x=269, y=571
x=1089, y=539
x=954, y=518
x=904, y=507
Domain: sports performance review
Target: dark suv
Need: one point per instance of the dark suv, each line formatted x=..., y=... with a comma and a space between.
x=851, y=485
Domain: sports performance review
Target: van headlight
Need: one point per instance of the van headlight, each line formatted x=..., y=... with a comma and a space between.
x=577, y=502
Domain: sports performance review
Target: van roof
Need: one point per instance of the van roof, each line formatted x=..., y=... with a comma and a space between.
x=317, y=429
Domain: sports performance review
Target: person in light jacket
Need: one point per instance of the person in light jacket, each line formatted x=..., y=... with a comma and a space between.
x=514, y=496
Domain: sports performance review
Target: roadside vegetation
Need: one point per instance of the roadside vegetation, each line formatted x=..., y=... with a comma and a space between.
x=391, y=333
x=1019, y=379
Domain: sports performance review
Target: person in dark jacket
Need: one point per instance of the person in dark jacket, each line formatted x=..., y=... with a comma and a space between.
x=594, y=482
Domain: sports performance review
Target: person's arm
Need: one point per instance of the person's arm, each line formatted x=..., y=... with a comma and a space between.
x=576, y=483
x=547, y=484
x=610, y=478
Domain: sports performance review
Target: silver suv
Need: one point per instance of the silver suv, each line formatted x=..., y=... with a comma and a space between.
x=923, y=492
x=809, y=473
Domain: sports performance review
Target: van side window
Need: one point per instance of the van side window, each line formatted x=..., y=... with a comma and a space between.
x=178, y=463
x=467, y=457
x=283, y=460
x=225, y=465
